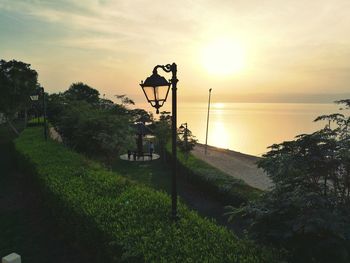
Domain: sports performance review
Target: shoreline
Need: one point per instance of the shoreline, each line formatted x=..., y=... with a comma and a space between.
x=227, y=150
x=238, y=165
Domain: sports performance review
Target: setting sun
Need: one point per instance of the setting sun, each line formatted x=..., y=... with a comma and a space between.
x=223, y=57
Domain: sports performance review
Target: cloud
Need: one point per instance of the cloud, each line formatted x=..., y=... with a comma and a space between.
x=94, y=22
x=284, y=40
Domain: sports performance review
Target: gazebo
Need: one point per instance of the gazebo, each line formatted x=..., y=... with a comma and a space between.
x=141, y=132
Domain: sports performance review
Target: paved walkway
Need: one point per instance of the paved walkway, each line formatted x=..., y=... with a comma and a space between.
x=55, y=135
x=238, y=165
x=139, y=159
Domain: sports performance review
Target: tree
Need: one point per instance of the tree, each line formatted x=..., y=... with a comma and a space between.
x=162, y=130
x=308, y=209
x=81, y=118
x=56, y=104
x=17, y=82
x=140, y=115
x=125, y=100
x=186, y=140
x=82, y=92
x=107, y=134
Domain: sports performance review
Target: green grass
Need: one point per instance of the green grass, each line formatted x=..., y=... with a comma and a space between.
x=25, y=228
x=155, y=174
x=119, y=220
x=36, y=120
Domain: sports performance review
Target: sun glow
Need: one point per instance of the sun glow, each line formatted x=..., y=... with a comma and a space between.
x=220, y=137
x=223, y=57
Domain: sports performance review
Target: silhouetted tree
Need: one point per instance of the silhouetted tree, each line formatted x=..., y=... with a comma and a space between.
x=140, y=115
x=125, y=100
x=17, y=82
x=162, y=130
x=90, y=124
x=308, y=209
x=186, y=140
x=81, y=91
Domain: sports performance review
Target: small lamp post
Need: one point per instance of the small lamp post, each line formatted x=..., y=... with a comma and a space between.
x=156, y=89
x=36, y=98
x=184, y=127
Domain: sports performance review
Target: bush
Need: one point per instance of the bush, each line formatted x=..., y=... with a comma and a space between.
x=226, y=188
x=119, y=220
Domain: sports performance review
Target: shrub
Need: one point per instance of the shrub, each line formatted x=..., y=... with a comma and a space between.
x=119, y=220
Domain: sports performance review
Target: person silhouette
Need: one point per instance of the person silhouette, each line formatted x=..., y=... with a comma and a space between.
x=151, y=149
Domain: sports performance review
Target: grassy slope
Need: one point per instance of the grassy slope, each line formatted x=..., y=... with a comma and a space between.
x=157, y=174
x=24, y=227
x=126, y=220
x=228, y=189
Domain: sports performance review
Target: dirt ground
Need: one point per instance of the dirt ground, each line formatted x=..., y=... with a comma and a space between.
x=236, y=164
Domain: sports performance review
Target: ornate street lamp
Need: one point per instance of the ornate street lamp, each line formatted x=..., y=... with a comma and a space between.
x=36, y=98
x=156, y=89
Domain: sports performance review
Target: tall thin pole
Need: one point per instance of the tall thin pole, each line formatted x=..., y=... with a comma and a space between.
x=174, y=81
x=186, y=134
x=206, y=136
x=44, y=113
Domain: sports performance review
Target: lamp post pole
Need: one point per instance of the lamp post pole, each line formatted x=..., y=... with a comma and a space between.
x=185, y=133
x=152, y=89
x=173, y=69
x=174, y=81
x=206, y=136
x=44, y=113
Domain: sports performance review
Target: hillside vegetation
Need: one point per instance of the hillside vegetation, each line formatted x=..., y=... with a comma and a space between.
x=120, y=220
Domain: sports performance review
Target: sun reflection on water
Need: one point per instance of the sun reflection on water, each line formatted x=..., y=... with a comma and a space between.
x=219, y=134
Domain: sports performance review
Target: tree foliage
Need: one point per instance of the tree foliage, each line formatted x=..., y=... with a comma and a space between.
x=82, y=92
x=162, y=130
x=308, y=209
x=186, y=140
x=17, y=82
x=89, y=124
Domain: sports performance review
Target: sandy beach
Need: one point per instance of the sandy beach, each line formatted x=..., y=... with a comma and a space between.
x=236, y=164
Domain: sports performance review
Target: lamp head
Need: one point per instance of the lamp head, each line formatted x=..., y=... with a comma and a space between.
x=156, y=89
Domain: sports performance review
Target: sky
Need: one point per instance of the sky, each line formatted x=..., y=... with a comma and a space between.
x=245, y=50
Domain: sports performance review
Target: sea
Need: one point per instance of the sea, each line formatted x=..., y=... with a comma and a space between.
x=251, y=128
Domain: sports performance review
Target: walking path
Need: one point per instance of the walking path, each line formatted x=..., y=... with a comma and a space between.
x=145, y=158
x=236, y=164
x=55, y=135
